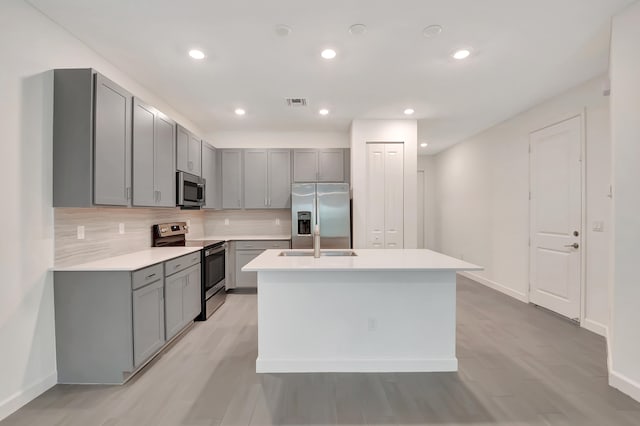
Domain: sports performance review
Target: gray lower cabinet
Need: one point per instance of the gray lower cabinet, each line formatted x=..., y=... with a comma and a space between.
x=91, y=140
x=189, y=152
x=231, y=165
x=153, y=157
x=321, y=165
x=267, y=178
x=210, y=172
x=148, y=321
x=182, y=300
x=243, y=252
x=110, y=323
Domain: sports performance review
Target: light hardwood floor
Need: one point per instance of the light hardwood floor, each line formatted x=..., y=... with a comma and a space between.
x=519, y=365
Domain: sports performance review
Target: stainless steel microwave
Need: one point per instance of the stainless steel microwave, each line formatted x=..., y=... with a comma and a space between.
x=190, y=190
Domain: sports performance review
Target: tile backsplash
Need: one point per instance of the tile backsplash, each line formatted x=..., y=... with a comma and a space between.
x=247, y=222
x=102, y=237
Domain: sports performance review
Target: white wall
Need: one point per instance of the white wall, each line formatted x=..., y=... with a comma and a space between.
x=483, y=206
x=279, y=139
x=625, y=126
x=363, y=131
x=30, y=46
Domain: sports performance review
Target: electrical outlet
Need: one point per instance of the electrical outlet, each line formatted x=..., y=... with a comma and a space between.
x=598, y=226
x=277, y=221
x=121, y=228
x=372, y=324
x=226, y=221
x=461, y=256
x=80, y=232
x=189, y=223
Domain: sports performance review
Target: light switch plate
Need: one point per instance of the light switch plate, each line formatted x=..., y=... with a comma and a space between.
x=80, y=232
x=121, y=228
x=226, y=221
x=598, y=226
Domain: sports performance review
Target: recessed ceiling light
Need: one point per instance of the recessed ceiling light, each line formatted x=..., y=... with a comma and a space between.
x=323, y=111
x=409, y=111
x=461, y=54
x=424, y=144
x=432, y=31
x=240, y=111
x=283, y=30
x=196, y=54
x=328, y=53
x=358, y=29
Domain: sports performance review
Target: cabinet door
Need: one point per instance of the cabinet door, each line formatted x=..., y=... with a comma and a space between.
x=210, y=174
x=164, y=161
x=331, y=165
x=182, y=149
x=148, y=321
x=174, y=313
x=246, y=279
x=112, y=144
x=279, y=196
x=255, y=179
x=305, y=165
x=192, y=294
x=231, y=179
x=143, y=152
x=195, y=156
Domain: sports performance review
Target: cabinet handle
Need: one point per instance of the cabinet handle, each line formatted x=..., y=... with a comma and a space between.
x=150, y=276
x=177, y=266
x=159, y=196
x=190, y=163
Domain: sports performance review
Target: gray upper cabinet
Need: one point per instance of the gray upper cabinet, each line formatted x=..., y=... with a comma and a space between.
x=279, y=178
x=148, y=321
x=153, y=157
x=189, y=152
x=267, y=178
x=231, y=164
x=320, y=165
x=211, y=174
x=305, y=165
x=91, y=140
x=255, y=179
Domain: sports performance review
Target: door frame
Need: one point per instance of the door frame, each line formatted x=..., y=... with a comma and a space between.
x=582, y=114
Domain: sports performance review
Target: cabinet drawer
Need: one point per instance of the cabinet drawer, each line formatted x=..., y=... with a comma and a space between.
x=263, y=245
x=174, y=265
x=146, y=276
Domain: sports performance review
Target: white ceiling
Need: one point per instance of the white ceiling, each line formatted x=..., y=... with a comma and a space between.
x=524, y=52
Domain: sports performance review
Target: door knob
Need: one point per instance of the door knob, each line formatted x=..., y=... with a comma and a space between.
x=574, y=245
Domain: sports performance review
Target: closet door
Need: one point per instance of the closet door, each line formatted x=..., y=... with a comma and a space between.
x=394, y=195
x=376, y=195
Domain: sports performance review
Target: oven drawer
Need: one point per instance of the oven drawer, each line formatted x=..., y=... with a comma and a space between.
x=183, y=262
x=146, y=276
x=262, y=245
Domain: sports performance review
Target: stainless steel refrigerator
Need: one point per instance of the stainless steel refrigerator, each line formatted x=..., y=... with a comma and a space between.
x=325, y=204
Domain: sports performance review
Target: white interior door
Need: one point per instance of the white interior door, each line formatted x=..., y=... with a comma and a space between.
x=394, y=195
x=556, y=217
x=375, y=195
x=421, y=224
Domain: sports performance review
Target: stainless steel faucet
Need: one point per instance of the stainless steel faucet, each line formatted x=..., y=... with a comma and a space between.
x=316, y=242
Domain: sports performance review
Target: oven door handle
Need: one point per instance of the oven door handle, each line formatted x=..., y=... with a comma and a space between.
x=214, y=251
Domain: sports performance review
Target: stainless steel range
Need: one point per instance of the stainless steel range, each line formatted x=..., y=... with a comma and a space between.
x=213, y=259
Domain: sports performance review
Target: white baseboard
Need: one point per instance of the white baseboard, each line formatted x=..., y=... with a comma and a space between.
x=595, y=327
x=354, y=365
x=496, y=286
x=20, y=398
x=625, y=385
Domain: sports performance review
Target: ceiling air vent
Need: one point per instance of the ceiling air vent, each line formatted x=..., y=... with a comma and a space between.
x=296, y=102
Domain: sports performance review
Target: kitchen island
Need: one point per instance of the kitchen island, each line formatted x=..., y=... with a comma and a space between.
x=373, y=311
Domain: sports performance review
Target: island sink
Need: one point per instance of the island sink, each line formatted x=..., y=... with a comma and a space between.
x=322, y=253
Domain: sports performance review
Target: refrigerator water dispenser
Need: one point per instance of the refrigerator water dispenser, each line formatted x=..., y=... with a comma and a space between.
x=304, y=223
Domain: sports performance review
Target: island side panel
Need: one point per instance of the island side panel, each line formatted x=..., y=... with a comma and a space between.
x=356, y=321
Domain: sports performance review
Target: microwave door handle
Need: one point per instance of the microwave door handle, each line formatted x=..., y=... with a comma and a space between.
x=180, y=194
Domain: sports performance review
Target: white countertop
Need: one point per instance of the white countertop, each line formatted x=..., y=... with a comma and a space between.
x=366, y=260
x=132, y=261
x=243, y=237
